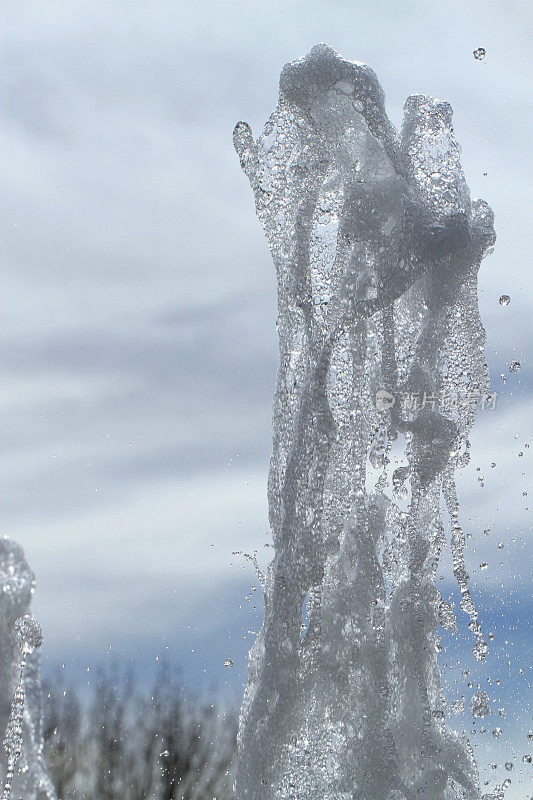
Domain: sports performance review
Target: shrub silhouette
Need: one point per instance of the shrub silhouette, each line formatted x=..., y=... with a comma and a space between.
x=125, y=742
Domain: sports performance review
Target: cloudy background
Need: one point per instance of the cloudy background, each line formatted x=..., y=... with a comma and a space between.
x=138, y=347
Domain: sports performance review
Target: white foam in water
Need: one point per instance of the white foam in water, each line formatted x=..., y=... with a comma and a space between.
x=377, y=246
x=21, y=759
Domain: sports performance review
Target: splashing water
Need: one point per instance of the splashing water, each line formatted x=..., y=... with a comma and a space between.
x=377, y=246
x=28, y=636
x=20, y=638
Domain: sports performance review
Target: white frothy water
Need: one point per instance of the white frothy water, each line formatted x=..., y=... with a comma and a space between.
x=377, y=246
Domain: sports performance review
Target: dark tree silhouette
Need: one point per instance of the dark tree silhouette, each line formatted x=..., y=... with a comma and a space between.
x=121, y=742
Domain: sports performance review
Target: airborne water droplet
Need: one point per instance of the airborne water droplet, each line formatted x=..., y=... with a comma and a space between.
x=497, y=732
x=505, y=300
x=228, y=662
x=457, y=706
x=28, y=633
x=514, y=366
x=479, y=650
x=480, y=704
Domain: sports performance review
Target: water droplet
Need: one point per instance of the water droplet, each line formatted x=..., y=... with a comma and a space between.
x=527, y=759
x=28, y=633
x=509, y=766
x=484, y=565
x=479, y=650
x=500, y=545
x=505, y=300
x=487, y=531
x=457, y=706
x=464, y=460
x=514, y=366
x=497, y=732
x=228, y=662
x=479, y=53
x=480, y=704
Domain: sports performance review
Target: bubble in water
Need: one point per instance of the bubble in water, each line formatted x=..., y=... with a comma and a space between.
x=228, y=662
x=514, y=366
x=497, y=732
x=28, y=633
x=480, y=53
x=480, y=704
x=505, y=300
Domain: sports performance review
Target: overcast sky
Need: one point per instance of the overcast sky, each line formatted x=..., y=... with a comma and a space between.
x=138, y=347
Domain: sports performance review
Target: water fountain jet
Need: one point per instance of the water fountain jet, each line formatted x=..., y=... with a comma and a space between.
x=377, y=246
